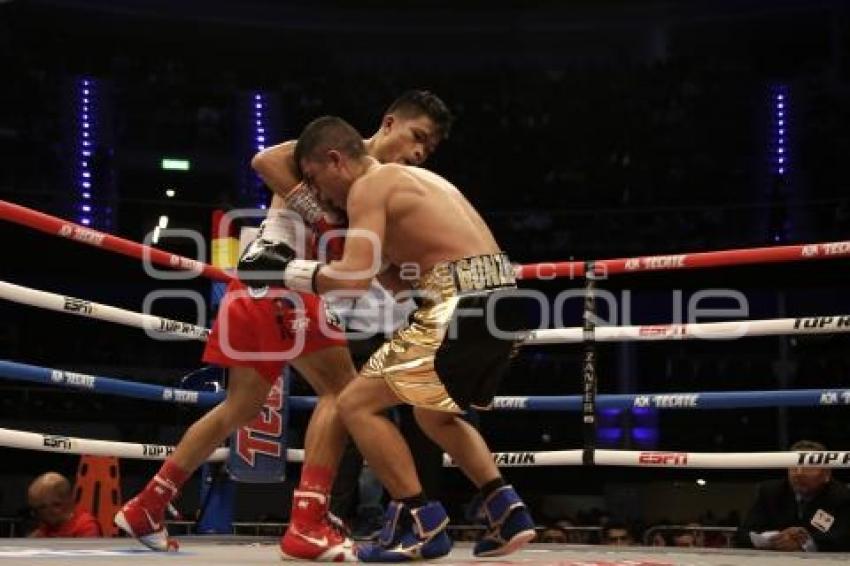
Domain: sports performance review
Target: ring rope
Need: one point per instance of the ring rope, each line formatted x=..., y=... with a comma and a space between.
x=571, y=335
x=700, y=331
x=58, y=227
x=718, y=330
x=666, y=401
x=72, y=445
x=63, y=303
x=699, y=260
x=745, y=256
x=107, y=385
x=647, y=459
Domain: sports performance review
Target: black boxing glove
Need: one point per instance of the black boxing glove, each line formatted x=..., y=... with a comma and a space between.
x=273, y=263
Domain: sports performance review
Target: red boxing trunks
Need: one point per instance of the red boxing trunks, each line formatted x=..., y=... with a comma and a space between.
x=263, y=329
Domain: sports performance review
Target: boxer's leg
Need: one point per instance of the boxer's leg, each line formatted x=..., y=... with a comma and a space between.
x=143, y=516
x=246, y=393
x=414, y=528
x=313, y=534
x=461, y=441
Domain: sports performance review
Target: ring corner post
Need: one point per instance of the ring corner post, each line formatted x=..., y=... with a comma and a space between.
x=589, y=367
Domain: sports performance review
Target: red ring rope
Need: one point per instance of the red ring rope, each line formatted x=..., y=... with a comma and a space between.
x=58, y=227
x=747, y=256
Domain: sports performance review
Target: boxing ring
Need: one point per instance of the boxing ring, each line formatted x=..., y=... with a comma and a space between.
x=229, y=550
x=246, y=551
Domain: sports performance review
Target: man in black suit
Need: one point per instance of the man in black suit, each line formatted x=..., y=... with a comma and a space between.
x=807, y=511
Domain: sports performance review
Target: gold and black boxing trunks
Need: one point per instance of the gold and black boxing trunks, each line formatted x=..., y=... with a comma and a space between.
x=459, y=342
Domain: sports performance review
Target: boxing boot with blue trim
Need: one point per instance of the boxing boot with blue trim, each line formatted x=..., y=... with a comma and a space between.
x=509, y=524
x=409, y=534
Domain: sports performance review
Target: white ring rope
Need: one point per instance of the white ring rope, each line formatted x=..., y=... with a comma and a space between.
x=723, y=460
x=647, y=459
x=653, y=459
x=72, y=445
x=699, y=331
x=156, y=325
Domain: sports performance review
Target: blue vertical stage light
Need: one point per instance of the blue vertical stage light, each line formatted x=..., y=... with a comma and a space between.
x=258, y=128
x=85, y=141
x=89, y=193
x=260, y=119
x=782, y=218
x=780, y=158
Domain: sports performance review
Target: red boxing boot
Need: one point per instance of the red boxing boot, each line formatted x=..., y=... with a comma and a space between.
x=143, y=517
x=312, y=535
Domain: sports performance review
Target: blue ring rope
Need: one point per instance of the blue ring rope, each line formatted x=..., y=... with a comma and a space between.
x=663, y=401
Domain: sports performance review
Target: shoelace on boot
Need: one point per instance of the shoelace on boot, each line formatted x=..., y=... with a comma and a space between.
x=338, y=525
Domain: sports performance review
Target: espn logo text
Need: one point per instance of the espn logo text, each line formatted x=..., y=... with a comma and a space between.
x=663, y=330
x=56, y=442
x=663, y=458
x=78, y=305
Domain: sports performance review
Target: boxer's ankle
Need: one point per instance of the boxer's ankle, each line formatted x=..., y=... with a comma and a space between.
x=311, y=501
x=315, y=478
x=164, y=486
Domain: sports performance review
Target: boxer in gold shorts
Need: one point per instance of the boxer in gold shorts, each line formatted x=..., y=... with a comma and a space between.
x=446, y=359
x=417, y=233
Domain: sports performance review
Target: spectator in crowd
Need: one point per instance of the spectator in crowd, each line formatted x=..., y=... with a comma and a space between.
x=617, y=534
x=658, y=539
x=693, y=535
x=50, y=499
x=553, y=535
x=574, y=535
x=685, y=539
x=807, y=511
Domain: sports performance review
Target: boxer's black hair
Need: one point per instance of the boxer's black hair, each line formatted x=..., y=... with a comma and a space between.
x=415, y=103
x=326, y=133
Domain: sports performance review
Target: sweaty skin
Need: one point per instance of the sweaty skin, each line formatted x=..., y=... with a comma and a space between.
x=398, y=140
x=418, y=219
x=413, y=219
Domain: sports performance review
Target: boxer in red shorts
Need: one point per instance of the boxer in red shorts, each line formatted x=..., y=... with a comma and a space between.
x=264, y=332
x=257, y=332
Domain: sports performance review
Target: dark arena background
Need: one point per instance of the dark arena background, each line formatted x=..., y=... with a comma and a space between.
x=583, y=131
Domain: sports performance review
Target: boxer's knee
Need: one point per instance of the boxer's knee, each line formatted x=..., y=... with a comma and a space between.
x=246, y=394
x=365, y=396
x=240, y=412
x=328, y=371
x=346, y=404
x=428, y=419
x=356, y=400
